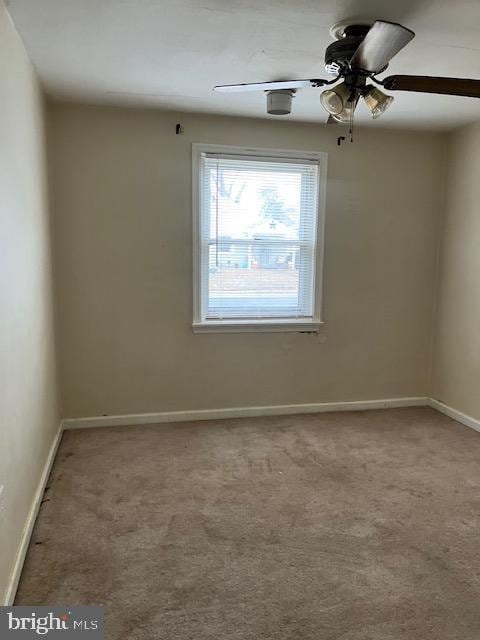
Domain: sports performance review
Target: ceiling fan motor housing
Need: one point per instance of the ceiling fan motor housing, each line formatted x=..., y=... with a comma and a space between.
x=339, y=53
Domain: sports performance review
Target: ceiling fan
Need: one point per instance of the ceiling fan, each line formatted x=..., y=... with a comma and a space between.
x=359, y=53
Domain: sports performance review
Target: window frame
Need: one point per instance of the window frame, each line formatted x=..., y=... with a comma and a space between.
x=200, y=323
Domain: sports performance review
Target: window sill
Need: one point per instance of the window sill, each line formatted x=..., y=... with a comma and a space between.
x=259, y=326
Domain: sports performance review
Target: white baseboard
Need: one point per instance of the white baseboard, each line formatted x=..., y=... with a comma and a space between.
x=30, y=522
x=468, y=421
x=240, y=412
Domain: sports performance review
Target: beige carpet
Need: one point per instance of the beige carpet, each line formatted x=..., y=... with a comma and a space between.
x=351, y=526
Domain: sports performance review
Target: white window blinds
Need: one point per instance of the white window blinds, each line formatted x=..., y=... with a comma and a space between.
x=257, y=236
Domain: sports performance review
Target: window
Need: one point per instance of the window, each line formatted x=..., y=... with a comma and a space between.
x=258, y=222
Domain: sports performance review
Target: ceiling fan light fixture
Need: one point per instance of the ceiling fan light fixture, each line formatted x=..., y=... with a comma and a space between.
x=377, y=101
x=335, y=100
x=346, y=115
x=279, y=102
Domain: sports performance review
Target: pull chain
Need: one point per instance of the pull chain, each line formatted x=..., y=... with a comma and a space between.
x=353, y=100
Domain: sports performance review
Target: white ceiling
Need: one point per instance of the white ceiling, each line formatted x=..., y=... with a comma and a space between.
x=170, y=53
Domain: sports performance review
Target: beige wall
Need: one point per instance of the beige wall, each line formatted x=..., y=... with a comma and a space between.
x=123, y=243
x=456, y=361
x=29, y=413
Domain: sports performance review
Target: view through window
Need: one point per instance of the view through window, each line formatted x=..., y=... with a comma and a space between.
x=258, y=236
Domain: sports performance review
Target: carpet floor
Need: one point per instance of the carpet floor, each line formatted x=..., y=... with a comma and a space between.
x=340, y=526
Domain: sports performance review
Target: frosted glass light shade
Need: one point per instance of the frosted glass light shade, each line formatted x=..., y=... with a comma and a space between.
x=377, y=101
x=335, y=100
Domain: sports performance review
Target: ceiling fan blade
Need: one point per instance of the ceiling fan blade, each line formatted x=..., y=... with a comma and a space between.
x=431, y=84
x=270, y=86
x=382, y=42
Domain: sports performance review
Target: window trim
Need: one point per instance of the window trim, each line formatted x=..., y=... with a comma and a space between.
x=251, y=325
